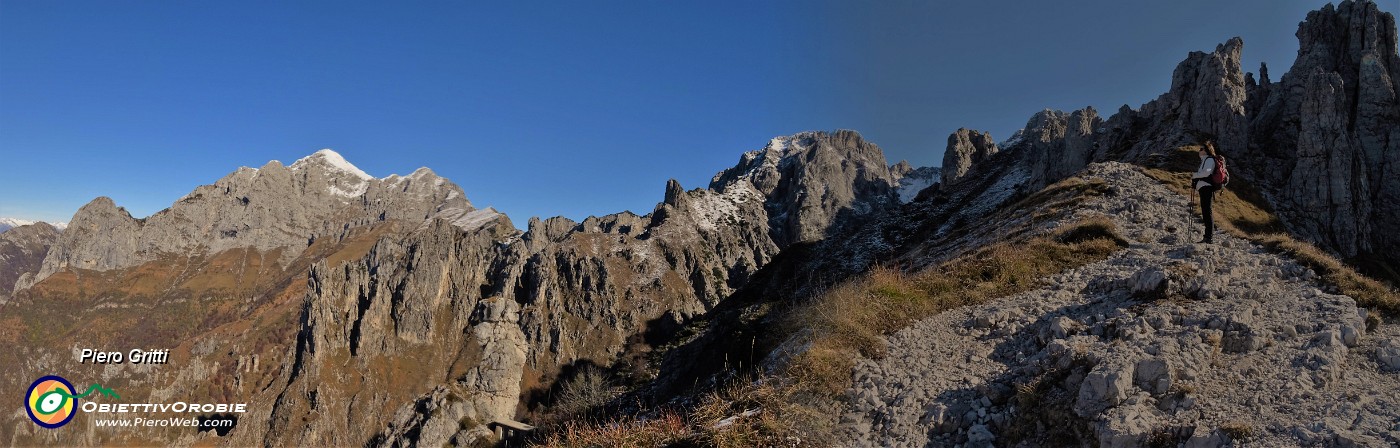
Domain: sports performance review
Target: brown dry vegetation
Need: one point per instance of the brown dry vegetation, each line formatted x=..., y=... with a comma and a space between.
x=242, y=296
x=1367, y=291
x=850, y=318
x=845, y=321
x=1241, y=210
x=667, y=429
x=744, y=414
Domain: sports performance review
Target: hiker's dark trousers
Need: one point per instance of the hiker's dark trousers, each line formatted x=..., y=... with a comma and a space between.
x=1207, y=197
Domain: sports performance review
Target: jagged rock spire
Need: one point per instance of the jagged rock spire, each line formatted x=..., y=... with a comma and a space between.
x=966, y=147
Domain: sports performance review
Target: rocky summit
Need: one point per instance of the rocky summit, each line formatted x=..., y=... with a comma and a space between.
x=1045, y=290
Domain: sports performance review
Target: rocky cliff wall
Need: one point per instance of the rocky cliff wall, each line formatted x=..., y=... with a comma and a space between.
x=22, y=251
x=1326, y=139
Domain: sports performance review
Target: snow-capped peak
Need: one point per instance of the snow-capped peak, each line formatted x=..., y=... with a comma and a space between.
x=333, y=160
x=13, y=222
x=785, y=145
x=778, y=144
x=10, y=223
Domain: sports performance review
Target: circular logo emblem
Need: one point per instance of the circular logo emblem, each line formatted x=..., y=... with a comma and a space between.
x=50, y=401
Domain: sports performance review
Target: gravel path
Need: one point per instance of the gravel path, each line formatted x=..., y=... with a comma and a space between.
x=1256, y=352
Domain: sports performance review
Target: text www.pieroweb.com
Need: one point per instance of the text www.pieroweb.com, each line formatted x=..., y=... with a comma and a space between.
x=139, y=422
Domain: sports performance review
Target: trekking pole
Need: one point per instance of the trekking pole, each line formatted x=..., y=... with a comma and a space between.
x=1196, y=195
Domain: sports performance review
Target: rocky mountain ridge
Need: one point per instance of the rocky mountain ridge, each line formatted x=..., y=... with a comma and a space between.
x=350, y=310
x=267, y=208
x=488, y=313
x=1317, y=143
x=583, y=291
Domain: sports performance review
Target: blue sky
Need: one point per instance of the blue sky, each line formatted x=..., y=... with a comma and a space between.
x=574, y=109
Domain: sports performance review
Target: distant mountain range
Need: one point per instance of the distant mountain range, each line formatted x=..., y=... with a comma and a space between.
x=10, y=223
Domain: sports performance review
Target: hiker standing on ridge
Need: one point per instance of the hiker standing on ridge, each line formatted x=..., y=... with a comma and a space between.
x=1208, y=180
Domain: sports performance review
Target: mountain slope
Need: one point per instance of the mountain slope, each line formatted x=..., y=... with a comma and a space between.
x=22, y=251
x=1165, y=340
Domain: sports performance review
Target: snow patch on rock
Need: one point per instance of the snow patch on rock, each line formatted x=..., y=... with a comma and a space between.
x=334, y=160
x=468, y=220
x=712, y=209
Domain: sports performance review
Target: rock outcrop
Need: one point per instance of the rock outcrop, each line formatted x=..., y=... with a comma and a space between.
x=381, y=332
x=1207, y=100
x=1325, y=192
x=1056, y=145
x=808, y=180
x=1327, y=138
x=1207, y=96
x=966, y=147
x=22, y=251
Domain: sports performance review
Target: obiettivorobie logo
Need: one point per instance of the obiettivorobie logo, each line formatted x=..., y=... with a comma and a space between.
x=51, y=402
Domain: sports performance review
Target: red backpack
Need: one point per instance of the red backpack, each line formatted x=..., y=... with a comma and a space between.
x=1221, y=176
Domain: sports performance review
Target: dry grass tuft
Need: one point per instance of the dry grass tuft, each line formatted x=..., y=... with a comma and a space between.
x=584, y=392
x=743, y=414
x=1367, y=291
x=667, y=429
x=850, y=318
x=1214, y=339
x=1238, y=431
x=749, y=414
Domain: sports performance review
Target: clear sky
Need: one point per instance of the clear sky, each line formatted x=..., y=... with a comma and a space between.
x=560, y=108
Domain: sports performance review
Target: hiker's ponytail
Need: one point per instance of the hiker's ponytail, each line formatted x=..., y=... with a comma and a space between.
x=1209, y=148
